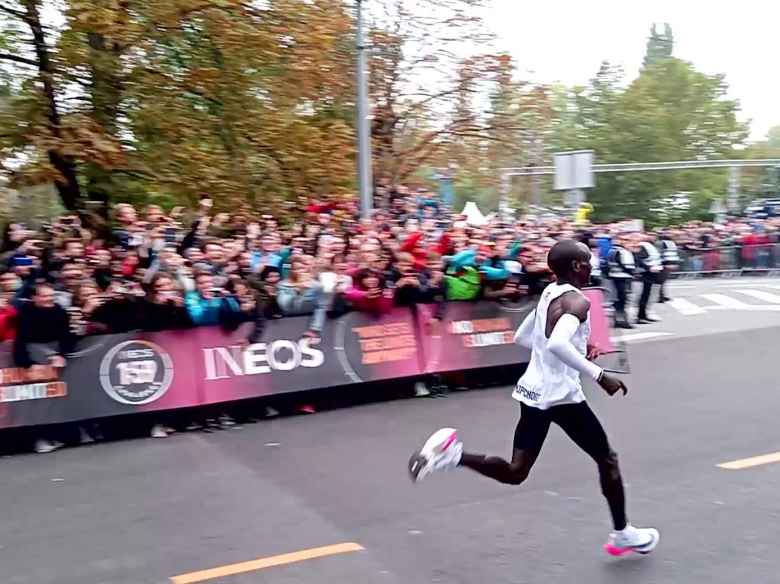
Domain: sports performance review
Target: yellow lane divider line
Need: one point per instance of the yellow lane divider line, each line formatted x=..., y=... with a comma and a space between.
x=269, y=562
x=751, y=462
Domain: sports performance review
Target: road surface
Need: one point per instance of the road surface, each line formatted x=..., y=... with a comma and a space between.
x=159, y=511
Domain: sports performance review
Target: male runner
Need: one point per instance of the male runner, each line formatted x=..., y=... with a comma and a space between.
x=550, y=391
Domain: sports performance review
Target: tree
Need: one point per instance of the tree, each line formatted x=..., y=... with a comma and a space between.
x=145, y=99
x=659, y=45
x=425, y=75
x=45, y=139
x=670, y=112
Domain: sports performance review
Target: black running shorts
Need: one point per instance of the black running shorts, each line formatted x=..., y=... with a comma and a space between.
x=577, y=420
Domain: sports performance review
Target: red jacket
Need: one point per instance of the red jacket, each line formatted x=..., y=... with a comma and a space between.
x=412, y=245
x=8, y=323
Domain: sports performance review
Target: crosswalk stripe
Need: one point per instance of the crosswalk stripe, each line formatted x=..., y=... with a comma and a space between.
x=637, y=337
x=726, y=301
x=685, y=307
x=761, y=295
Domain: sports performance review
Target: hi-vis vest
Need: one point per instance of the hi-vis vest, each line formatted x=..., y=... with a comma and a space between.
x=620, y=263
x=669, y=254
x=652, y=260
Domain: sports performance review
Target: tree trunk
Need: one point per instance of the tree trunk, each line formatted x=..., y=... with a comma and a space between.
x=67, y=185
x=106, y=96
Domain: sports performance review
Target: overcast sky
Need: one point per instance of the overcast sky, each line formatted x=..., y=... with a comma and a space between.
x=565, y=40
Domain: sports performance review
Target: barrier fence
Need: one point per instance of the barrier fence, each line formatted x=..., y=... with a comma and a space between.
x=112, y=375
x=734, y=260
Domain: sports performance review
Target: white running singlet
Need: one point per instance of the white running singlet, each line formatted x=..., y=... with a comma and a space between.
x=548, y=381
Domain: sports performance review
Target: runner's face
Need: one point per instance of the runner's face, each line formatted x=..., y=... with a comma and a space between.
x=582, y=267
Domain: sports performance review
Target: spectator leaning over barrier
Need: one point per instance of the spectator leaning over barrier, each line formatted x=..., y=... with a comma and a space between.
x=266, y=286
x=335, y=280
x=300, y=293
x=406, y=280
x=251, y=309
x=464, y=281
x=433, y=285
x=370, y=292
x=42, y=321
x=208, y=304
x=163, y=308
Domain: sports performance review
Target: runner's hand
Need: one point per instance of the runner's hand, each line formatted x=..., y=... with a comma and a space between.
x=612, y=384
x=57, y=361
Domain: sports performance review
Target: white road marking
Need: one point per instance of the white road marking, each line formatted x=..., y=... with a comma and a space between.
x=685, y=307
x=636, y=337
x=761, y=295
x=742, y=284
x=726, y=301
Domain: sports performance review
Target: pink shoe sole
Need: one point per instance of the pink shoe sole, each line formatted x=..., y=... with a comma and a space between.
x=613, y=550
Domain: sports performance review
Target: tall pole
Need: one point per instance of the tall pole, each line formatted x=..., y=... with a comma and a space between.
x=364, y=136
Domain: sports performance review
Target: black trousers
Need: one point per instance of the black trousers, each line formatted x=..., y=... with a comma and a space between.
x=622, y=289
x=663, y=276
x=647, y=286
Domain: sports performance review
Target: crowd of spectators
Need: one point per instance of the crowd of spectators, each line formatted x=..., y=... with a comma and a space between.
x=152, y=269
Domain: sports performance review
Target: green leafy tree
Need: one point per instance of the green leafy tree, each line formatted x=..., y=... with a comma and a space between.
x=660, y=45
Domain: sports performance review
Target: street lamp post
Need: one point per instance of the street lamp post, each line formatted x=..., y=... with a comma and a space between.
x=363, y=132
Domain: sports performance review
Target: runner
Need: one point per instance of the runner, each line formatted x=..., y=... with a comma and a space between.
x=551, y=391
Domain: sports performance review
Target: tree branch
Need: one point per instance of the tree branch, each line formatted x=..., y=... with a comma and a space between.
x=17, y=59
x=12, y=12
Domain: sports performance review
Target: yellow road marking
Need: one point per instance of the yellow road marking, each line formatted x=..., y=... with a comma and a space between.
x=750, y=462
x=269, y=562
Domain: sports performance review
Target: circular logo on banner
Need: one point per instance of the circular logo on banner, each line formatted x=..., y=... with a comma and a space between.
x=136, y=372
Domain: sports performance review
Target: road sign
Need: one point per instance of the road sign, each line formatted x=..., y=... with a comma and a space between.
x=573, y=170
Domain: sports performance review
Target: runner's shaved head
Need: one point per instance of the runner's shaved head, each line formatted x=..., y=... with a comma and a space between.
x=563, y=253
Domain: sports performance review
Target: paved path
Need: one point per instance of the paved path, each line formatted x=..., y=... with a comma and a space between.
x=144, y=511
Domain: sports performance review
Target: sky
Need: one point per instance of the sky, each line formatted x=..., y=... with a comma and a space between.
x=565, y=40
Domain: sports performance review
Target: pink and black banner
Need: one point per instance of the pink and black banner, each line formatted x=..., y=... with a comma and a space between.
x=120, y=374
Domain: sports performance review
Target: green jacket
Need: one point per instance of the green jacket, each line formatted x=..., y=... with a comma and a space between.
x=464, y=286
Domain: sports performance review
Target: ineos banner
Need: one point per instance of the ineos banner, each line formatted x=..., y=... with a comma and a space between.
x=119, y=374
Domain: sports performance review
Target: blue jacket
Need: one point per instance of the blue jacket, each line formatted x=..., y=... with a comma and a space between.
x=209, y=312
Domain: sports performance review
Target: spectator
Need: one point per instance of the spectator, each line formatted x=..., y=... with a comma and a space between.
x=42, y=321
x=370, y=293
x=266, y=287
x=8, y=314
x=300, y=293
x=335, y=281
x=208, y=304
x=163, y=308
x=408, y=287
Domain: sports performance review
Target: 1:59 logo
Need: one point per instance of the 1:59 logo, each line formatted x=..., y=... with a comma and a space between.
x=136, y=372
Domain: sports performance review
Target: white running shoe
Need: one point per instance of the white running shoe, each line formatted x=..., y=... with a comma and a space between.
x=442, y=451
x=632, y=539
x=43, y=446
x=158, y=431
x=84, y=436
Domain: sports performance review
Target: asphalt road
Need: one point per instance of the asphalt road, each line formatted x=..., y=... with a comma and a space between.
x=143, y=511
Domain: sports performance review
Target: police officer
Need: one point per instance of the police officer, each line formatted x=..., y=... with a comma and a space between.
x=670, y=260
x=620, y=271
x=649, y=267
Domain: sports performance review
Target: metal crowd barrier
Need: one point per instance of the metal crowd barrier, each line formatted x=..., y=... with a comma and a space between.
x=729, y=261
